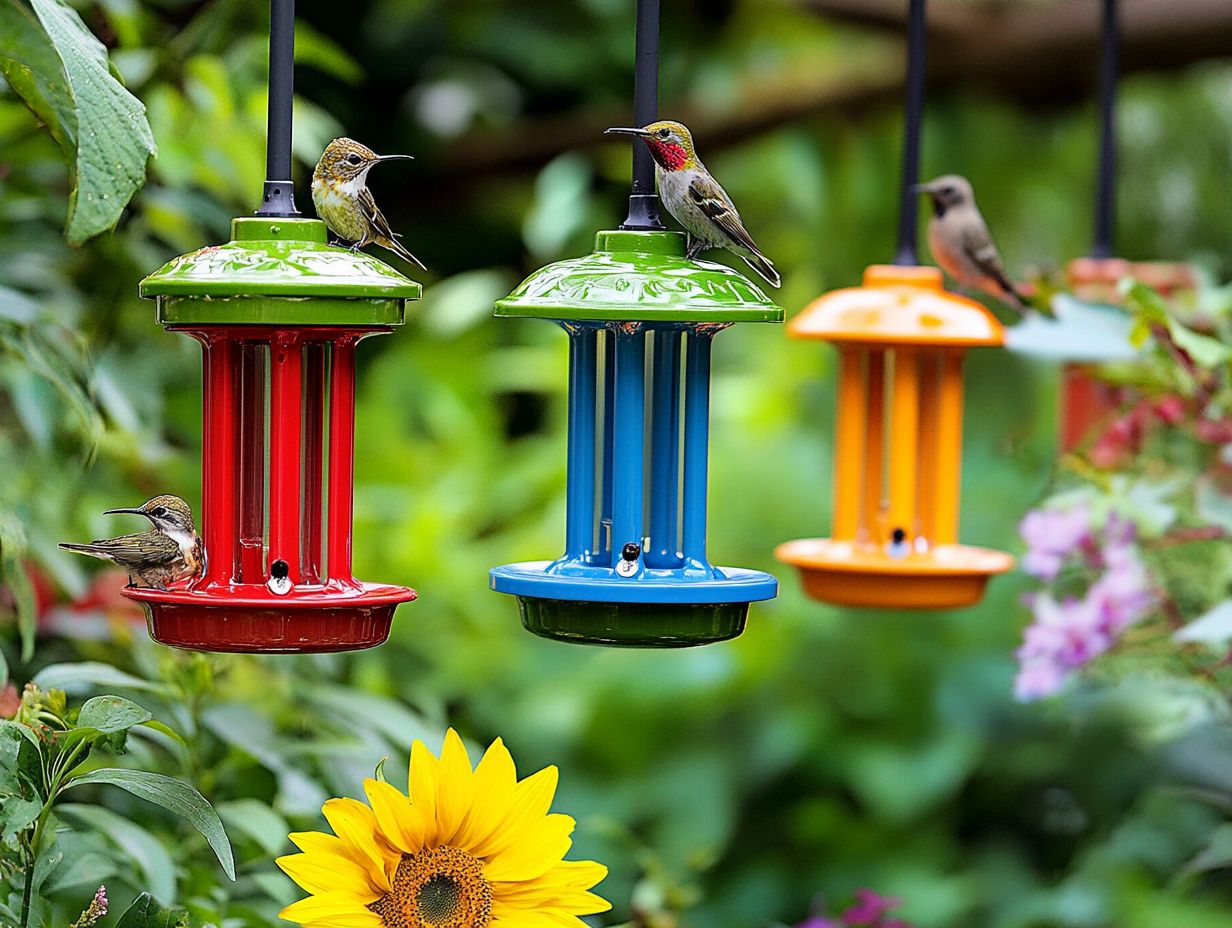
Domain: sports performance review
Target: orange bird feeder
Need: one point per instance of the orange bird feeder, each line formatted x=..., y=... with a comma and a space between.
x=901, y=339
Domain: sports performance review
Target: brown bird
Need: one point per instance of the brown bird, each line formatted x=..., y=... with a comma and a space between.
x=170, y=551
x=960, y=242
x=342, y=198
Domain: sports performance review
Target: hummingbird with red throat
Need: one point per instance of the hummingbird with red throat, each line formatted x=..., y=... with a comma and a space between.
x=341, y=196
x=171, y=550
x=694, y=197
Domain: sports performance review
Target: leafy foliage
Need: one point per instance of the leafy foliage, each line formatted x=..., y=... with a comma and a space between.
x=726, y=787
x=62, y=73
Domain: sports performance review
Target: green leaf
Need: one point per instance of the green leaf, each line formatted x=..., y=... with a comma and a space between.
x=145, y=850
x=174, y=796
x=1217, y=854
x=20, y=802
x=30, y=64
x=1213, y=627
x=1212, y=503
x=258, y=821
x=147, y=913
x=111, y=135
x=88, y=675
x=112, y=713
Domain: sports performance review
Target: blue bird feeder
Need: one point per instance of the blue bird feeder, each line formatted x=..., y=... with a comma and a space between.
x=641, y=319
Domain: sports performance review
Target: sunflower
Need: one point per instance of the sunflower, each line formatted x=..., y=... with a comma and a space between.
x=468, y=848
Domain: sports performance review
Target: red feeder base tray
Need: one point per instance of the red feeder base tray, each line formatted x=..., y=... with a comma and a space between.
x=244, y=619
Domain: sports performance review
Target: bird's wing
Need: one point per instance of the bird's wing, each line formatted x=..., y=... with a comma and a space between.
x=373, y=214
x=717, y=206
x=138, y=551
x=979, y=247
x=380, y=225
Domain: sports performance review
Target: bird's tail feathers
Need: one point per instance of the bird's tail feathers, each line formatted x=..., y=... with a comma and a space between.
x=93, y=550
x=763, y=266
x=400, y=250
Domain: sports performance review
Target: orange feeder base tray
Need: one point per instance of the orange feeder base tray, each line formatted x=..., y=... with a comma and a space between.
x=847, y=574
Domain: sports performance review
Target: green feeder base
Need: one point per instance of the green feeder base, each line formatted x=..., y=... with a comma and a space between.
x=633, y=625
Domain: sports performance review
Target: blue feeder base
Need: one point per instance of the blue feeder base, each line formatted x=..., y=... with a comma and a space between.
x=647, y=612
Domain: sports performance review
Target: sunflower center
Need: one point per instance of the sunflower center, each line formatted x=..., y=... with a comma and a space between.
x=441, y=887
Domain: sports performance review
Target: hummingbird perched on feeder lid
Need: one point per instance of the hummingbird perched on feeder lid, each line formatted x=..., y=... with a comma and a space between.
x=960, y=241
x=694, y=197
x=168, y=552
x=341, y=196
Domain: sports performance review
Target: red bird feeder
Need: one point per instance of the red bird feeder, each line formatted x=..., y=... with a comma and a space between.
x=279, y=314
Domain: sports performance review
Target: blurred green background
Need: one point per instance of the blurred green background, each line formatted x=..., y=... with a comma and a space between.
x=725, y=787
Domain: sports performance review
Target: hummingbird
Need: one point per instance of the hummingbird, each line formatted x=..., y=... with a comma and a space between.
x=694, y=197
x=342, y=198
x=168, y=552
x=960, y=241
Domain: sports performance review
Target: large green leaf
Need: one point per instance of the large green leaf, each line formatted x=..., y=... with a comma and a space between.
x=145, y=850
x=145, y=912
x=62, y=73
x=173, y=795
x=112, y=713
x=20, y=803
x=31, y=65
x=86, y=675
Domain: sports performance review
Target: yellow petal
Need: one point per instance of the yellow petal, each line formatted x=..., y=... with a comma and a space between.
x=398, y=820
x=507, y=917
x=423, y=783
x=536, y=851
x=322, y=873
x=495, y=781
x=335, y=908
x=318, y=842
x=457, y=788
x=531, y=800
x=356, y=825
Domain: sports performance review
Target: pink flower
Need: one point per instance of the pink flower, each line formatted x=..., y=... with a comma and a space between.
x=1123, y=595
x=1069, y=632
x=1052, y=535
x=818, y=921
x=869, y=908
x=1037, y=678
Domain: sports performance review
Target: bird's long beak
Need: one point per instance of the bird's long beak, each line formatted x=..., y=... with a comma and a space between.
x=395, y=157
x=618, y=130
x=136, y=511
x=921, y=188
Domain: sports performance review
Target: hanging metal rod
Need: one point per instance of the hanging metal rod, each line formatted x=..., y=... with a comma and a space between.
x=278, y=198
x=913, y=115
x=643, y=204
x=1105, y=185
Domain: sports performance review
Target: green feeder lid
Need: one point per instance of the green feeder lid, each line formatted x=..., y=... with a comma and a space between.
x=639, y=277
x=279, y=272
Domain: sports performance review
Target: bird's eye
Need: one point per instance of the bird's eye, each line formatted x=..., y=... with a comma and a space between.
x=354, y=159
x=665, y=133
x=159, y=511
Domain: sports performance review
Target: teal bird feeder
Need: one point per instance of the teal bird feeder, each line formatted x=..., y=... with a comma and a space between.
x=641, y=319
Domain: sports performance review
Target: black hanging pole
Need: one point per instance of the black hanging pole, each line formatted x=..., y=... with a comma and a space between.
x=913, y=115
x=1105, y=186
x=643, y=204
x=278, y=198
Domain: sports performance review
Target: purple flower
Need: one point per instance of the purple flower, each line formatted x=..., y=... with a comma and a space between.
x=1051, y=536
x=1123, y=595
x=818, y=921
x=1037, y=678
x=1068, y=632
x=869, y=908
